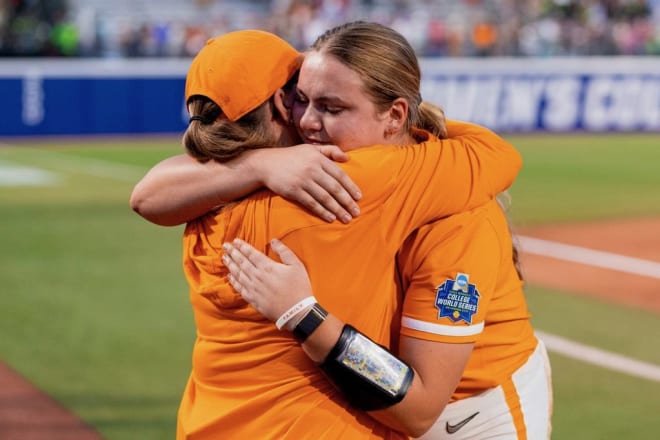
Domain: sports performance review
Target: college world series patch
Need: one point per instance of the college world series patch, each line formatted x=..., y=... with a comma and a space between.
x=457, y=299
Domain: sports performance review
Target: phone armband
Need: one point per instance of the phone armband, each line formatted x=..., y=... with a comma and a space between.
x=369, y=376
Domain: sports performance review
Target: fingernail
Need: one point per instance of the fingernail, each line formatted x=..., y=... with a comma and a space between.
x=330, y=217
x=358, y=195
x=346, y=218
x=355, y=211
x=226, y=246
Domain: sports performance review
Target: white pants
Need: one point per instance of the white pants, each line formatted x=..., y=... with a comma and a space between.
x=494, y=418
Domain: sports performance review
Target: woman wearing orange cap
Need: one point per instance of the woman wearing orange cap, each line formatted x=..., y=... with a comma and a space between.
x=415, y=413
x=241, y=163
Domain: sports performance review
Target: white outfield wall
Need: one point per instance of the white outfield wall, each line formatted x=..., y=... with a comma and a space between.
x=106, y=96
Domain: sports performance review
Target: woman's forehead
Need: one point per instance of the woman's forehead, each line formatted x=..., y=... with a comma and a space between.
x=324, y=72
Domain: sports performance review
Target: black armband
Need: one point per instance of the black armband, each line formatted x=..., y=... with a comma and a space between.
x=370, y=377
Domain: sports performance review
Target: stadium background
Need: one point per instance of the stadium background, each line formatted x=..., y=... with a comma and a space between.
x=93, y=307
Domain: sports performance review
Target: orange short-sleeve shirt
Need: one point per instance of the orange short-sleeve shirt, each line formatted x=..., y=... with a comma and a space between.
x=462, y=286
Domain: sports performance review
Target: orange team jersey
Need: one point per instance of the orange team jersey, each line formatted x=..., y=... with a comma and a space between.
x=250, y=380
x=462, y=286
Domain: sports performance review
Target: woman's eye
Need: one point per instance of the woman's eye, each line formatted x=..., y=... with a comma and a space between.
x=333, y=110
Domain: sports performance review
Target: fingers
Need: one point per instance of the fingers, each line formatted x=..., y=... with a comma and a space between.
x=246, y=292
x=242, y=270
x=339, y=197
x=315, y=181
x=338, y=174
x=333, y=193
x=246, y=263
x=320, y=202
x=254, y=259
x=333, y=152
x=237, y=285
x=237, y=278
x=337, y=184
x=347, y=184
x=239, y=256
x=309, y=199
x=286, y=255
x=325, y=205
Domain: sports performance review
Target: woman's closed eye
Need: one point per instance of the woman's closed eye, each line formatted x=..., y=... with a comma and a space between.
x=333, y=109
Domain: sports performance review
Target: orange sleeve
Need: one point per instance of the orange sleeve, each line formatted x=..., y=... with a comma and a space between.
x=494, y=161
x=432, y=260
x=439, y=178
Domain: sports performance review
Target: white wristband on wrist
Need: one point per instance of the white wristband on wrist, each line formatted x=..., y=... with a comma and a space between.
x=293, y=311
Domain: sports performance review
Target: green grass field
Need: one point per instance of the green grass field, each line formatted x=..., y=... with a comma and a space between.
x=94, y=307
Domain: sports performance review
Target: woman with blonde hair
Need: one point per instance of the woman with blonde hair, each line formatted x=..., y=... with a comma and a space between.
x=465, y=325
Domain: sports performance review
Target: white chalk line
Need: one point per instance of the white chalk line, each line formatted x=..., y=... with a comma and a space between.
x=13, y=174
x=601, y=358
x=577, y=254
x=606, y=260
x=89, y=166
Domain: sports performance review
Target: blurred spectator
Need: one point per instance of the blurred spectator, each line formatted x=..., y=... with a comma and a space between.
x=484, y=37
x=167, y=28
x=36, y=28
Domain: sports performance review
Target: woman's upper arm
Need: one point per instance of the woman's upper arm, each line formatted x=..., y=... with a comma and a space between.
x=438, y=368
x=496, y=162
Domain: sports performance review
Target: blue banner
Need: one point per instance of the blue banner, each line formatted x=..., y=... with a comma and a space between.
x=558, y=103
x=79, y=97
x=43, y=106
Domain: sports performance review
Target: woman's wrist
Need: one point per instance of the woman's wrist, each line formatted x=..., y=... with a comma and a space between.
x=309, y=322
x=290, y=318
x=256, y=165
x=323, y=339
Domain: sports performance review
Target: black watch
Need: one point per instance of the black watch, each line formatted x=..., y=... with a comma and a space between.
x=310, y=322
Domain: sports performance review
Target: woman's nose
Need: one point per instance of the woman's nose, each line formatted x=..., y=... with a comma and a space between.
x=310, y=119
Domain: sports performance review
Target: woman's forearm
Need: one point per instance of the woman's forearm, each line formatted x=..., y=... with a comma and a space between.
x=180, y=188
x=437, y=370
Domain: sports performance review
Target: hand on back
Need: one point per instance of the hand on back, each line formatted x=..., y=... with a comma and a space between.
x=309, y=175
x=270, y=287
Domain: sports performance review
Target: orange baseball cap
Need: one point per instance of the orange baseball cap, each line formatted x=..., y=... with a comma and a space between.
x=240, y=70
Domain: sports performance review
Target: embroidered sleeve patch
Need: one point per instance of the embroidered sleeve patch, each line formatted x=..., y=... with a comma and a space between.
x=457, y=299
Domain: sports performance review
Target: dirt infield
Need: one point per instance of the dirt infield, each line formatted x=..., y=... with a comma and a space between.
x=28, y=414
x=638, y=238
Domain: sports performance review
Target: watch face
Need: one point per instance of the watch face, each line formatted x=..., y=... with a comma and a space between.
x=310, y=322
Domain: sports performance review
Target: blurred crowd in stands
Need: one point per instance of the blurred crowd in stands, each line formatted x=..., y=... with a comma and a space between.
x=448, y=28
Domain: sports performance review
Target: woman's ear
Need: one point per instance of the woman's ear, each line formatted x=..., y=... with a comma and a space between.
x=282, y=111
x=398, y=115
